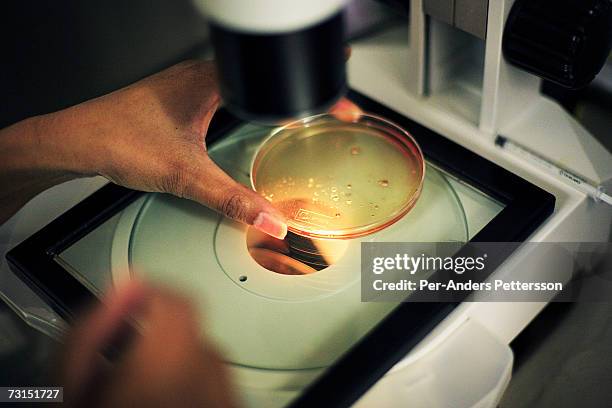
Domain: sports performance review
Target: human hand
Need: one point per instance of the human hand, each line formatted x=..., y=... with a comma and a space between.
x=150, y=136
x=169, y=365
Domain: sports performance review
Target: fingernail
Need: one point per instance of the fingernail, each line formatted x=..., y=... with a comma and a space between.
x=270, y=225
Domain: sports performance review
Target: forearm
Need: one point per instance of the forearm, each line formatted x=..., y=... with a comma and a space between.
x=149, y=136
x=32, y=159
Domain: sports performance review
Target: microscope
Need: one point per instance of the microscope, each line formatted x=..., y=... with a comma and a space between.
x=285, y=59
x=457, y=75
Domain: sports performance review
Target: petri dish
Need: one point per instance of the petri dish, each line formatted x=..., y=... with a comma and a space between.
x=339, y=179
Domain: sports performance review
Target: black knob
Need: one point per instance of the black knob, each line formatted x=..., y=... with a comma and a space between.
x=563, y=41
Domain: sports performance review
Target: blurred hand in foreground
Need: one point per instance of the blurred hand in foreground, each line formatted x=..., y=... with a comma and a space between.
x=169, y=365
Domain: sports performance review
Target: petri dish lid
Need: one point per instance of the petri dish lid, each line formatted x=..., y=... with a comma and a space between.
x=338, y=179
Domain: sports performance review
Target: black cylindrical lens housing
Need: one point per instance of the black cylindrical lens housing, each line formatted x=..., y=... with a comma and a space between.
x=278, y=76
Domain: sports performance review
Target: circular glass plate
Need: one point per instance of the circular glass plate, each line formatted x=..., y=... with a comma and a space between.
x=337, y=179
x=285, y=324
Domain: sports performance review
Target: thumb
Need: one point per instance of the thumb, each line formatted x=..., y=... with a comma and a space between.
x=217, y=190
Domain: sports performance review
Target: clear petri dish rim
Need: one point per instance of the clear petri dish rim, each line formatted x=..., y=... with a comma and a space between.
x=392, y=131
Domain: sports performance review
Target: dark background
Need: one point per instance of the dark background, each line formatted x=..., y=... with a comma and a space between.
x=58, y=53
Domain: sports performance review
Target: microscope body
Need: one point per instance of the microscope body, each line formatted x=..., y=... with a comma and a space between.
x=278, y=59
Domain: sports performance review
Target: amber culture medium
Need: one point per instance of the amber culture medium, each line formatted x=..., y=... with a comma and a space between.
x=341, y=179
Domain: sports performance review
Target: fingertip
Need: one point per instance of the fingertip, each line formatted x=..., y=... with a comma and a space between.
x=271, y=225
x=346, y=111
x=347, y=52
x=127, y=297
